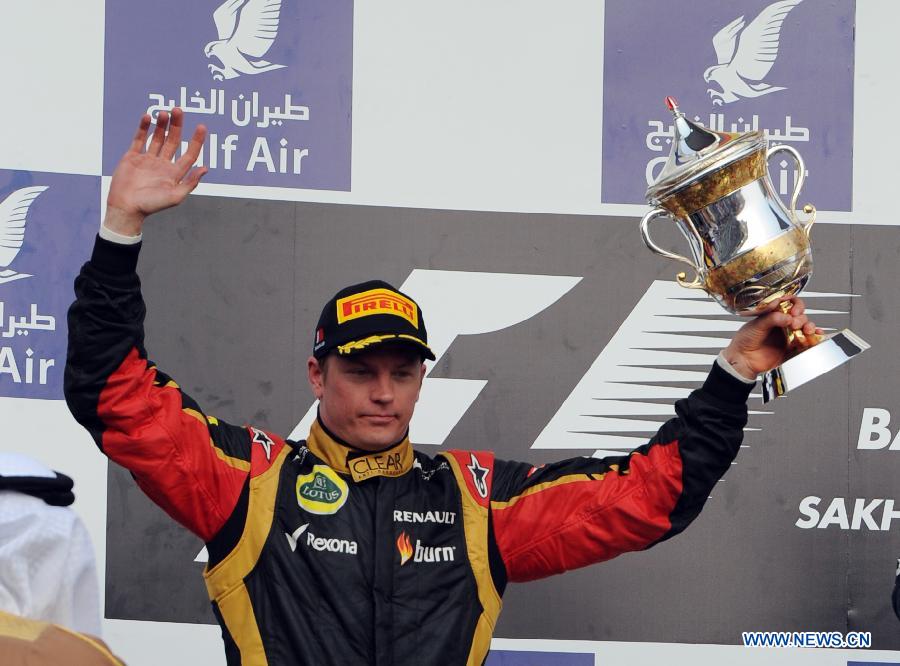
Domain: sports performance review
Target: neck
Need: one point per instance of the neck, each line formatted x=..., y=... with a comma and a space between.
x=394, y=460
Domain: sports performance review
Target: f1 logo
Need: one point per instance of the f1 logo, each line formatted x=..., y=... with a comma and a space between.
x=463, y=303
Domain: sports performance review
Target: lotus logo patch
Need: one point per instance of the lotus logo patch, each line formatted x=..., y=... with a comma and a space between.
x=322, y=491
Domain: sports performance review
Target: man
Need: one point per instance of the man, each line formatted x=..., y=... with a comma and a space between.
x=49, y=598
x=350, y=547
x=49, y=572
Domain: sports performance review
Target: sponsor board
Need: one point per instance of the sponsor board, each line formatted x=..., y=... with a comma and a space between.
x=271, y=80
x=783, y=67
x=554, y=305
x=47, y=226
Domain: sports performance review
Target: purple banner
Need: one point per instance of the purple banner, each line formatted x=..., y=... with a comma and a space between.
x=47, y=226
x=271, y=80
x=521, y=658
x=735, y=65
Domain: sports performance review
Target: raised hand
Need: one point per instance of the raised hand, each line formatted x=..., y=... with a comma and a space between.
x=148, y=181
x=761, y=344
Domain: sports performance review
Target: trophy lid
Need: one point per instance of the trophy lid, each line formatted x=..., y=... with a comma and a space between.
x=697, y=152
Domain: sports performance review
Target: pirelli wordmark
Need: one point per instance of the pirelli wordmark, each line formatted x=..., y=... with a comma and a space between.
x=376, y=301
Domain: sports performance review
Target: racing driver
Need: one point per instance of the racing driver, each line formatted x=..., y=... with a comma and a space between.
x=350, y=547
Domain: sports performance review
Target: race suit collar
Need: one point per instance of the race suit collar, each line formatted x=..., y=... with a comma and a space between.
x=393, y=461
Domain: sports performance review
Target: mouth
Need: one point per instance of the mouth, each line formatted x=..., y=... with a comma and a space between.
x=378, y=419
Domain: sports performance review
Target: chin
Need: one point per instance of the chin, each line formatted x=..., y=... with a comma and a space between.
x=371, y=441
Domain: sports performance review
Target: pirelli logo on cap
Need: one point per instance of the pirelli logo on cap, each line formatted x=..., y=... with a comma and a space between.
x=377, y=301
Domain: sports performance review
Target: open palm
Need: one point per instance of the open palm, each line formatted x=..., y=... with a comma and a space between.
x=147, y=181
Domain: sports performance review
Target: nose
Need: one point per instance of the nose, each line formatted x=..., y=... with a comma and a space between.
x=383, y=388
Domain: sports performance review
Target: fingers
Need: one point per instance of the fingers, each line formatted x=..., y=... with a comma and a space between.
x=137, y=143
x=187, y=160
x=159, y=134
x=173, y=138
x=190, y=183
x=799, y=306
x=776, y=319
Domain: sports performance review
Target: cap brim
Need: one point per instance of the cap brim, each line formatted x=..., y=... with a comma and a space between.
x=364, y=344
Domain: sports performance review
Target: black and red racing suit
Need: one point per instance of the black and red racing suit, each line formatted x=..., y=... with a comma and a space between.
x=321, y=554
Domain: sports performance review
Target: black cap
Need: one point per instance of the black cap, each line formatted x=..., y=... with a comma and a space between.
x=367, y=314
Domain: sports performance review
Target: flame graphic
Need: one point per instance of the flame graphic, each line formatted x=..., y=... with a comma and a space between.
x=404, y=545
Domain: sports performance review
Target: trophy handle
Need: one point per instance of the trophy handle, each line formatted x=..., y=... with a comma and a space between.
x=809, y=209
x=697, y=282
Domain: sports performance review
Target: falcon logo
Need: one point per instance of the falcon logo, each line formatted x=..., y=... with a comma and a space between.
x=479, y=475
x=13, y=211
x=247, y=29
x=261, y=438
x=748, y=59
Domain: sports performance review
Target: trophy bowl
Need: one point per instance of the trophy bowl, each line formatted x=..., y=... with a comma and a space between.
x=747, y=250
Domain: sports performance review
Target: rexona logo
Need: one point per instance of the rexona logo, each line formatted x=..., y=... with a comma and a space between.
x=423, y=553
x=322, y=491
x=331, y=545
x=874, y=433
x=321, y=544
x=863, y=513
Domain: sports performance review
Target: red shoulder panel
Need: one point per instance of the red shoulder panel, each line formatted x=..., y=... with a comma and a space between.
x=477, y=469
x=264, y=449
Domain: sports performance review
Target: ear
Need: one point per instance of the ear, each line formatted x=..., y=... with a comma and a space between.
x=316, y=377
x=421, y=379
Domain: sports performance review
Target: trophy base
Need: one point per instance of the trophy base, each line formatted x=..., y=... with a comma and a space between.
x=810, y=363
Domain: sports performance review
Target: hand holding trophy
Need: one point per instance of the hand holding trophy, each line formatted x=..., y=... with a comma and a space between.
x=748, y=251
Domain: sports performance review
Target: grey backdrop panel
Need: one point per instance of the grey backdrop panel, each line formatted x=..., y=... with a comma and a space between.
x=234, y=288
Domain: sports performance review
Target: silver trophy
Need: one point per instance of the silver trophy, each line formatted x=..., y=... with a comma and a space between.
x=748, y=251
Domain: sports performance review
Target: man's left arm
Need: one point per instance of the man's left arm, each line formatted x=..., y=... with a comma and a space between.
x=569, y=514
